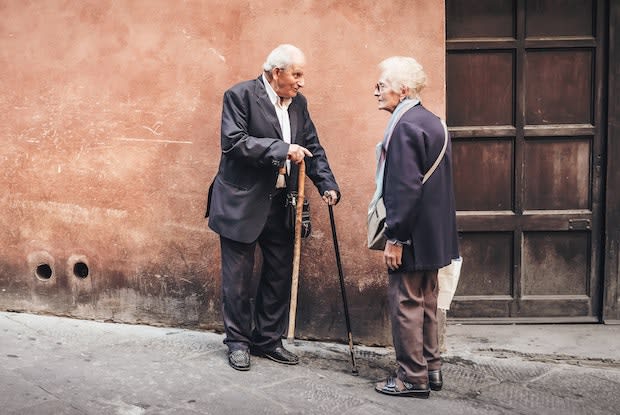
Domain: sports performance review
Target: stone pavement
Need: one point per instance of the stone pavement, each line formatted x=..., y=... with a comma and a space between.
x=53, y=365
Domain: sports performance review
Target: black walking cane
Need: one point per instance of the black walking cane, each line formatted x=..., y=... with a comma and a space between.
x=342, y=289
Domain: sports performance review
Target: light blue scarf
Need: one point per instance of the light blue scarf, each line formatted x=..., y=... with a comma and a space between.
x=382, y=147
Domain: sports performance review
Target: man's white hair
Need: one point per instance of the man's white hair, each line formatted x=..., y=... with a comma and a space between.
x=403, y=71
x=283, y=56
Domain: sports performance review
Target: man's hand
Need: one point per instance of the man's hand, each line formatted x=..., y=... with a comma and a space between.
x=330, y=197
x=296, y=153
x=393, y=256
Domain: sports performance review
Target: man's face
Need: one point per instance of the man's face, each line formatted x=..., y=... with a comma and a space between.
x=288, y=81
x=387, y=98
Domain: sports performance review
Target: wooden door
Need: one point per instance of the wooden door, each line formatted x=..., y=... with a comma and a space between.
x=525, y=95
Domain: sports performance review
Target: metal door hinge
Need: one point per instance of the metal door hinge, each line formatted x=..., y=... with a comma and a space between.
x=579, y=224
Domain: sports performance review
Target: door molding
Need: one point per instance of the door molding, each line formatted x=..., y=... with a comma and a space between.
x=611, y=295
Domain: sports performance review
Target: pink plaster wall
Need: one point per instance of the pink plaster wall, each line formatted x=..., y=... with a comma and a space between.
x=109, y=115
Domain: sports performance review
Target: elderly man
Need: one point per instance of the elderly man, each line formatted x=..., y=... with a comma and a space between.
x=266, y=132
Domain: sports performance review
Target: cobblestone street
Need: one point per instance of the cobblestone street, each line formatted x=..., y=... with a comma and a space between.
x=52, y=365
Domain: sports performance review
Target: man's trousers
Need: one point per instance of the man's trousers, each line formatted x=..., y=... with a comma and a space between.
x=265, y=324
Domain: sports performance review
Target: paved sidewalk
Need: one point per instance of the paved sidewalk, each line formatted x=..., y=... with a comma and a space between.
x=52, y=365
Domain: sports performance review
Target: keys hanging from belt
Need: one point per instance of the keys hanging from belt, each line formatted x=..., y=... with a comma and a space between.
x=281, y=182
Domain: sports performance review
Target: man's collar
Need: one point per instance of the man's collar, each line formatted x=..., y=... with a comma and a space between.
x=273, y=97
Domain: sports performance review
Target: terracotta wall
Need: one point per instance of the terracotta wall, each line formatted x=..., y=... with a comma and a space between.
x=109, y=115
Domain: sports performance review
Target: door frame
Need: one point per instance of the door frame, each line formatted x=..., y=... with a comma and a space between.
x=611, y=260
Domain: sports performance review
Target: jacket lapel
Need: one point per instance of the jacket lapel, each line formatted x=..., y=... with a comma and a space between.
x=262, y=99
x=292, y=116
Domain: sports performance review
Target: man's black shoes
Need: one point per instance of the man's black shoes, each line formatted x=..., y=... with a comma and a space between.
x=279, y=354
x=239, y=359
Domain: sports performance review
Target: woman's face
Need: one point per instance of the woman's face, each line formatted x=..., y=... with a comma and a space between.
x=387, y=98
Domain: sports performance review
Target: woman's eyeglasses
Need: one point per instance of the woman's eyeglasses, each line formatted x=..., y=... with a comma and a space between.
x=380, y=87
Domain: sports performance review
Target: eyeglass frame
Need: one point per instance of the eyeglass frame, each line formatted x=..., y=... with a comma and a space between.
x=381, y=87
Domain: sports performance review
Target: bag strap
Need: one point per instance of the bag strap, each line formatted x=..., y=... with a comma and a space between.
x=443, y=151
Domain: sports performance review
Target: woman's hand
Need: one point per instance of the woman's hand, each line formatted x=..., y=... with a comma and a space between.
x=393, y=256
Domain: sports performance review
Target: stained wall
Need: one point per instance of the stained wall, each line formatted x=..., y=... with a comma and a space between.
x=109, y=121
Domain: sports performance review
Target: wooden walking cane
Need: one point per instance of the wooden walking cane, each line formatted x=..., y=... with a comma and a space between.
x=296, y=251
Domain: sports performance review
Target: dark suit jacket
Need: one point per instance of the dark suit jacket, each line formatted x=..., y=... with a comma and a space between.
x=424, y=214
x=252, y=151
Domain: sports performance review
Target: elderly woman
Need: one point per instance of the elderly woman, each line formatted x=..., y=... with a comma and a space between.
x=420, y=224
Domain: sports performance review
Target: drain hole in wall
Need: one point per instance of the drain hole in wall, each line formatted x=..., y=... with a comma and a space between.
x=44, y=271
x=80, y=270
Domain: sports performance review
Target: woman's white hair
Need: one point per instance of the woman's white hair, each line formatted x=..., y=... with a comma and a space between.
x=403, y=72
x=283, y=56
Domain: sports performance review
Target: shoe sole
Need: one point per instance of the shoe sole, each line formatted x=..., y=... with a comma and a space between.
x=407, y=394
x=436, y=388
x=240, y=368
x=284, y=362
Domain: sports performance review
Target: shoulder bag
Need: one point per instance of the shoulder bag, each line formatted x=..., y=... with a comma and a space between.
x=376, y=215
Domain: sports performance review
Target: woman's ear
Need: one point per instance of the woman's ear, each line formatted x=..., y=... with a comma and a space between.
x=403, y=93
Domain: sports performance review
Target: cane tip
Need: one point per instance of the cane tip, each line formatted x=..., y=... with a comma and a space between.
x=355, y=372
